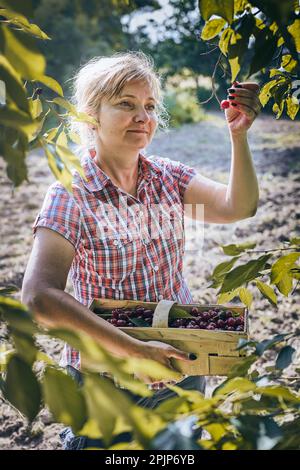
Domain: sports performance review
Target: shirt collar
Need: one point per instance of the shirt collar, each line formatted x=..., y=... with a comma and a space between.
x=96, y=179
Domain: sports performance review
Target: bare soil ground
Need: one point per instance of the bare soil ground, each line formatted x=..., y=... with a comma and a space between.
x=275, y=148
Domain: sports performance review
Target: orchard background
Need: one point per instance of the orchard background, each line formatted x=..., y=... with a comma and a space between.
x=258, y=407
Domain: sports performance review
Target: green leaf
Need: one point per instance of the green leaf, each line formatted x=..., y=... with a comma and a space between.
x=285, y=357
x=64, y=398
x=25, y=347
x=261, y=432
x=51, y=83
x=269, y=343
x=267, y=292
x=65, y=104
x=225, y=39
x=36, y=107
x=228, y=296
x=21, y=51
x=241, y=369
x=237, y=384
x=68, y=158
x=8, y=290
x=265, y=94
x=295, y=241
x=234, y=250
x=243, y=274
x=212, y=28
x=285, y=285
x=223, y=268
x=140, y=322
x=222, y=8
x=288, y=63
x=294, y=30
x=264, y=50
x=246, y=296
x=99, y=409
x=22, y=389
x=74, y=137
x=282, y=266
x=22, y=22
x=282, y=393
x=177, y=312
x=13, y=83
x=18, y=318
x=292, y=106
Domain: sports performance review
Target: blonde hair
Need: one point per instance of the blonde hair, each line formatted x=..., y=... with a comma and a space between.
x=106, y=77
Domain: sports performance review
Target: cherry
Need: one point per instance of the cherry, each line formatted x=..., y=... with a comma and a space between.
x=224, y=104
x=221, y=323
x=231, y=322
x=195, y=311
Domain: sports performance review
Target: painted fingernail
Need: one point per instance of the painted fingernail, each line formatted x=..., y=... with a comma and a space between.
x=235, y=83
x=238, y=86
x=233, y=104
x=231, y=97
x=231, y=90
x=192, y=356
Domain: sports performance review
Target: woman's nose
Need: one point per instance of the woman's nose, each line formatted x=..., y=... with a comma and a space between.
x=142, y=115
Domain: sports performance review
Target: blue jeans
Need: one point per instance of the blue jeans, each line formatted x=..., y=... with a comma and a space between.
x=72, y=442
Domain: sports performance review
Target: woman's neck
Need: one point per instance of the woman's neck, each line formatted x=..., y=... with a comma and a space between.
x=123, y=171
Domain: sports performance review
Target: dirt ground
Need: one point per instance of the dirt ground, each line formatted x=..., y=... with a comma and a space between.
x=275, y=147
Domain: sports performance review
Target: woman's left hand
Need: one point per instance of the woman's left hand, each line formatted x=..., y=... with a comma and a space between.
x=244, y=106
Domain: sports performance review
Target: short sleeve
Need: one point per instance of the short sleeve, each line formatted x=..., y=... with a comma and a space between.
x=183, y=174
x=60, y=213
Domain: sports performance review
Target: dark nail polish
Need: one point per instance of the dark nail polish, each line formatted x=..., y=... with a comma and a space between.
x=231, y=90
x=192, y=356
x=231, y=97
x=233, y=104
x=238, y=86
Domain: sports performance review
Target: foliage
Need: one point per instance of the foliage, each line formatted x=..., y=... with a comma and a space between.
x=270, y=30
x=182, y=107
x=268, y=273
x=246, y=411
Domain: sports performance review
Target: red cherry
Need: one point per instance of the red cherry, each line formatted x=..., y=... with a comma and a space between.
x=121, y=323
x=220, y=324
x=225, y=104
x=231, y=322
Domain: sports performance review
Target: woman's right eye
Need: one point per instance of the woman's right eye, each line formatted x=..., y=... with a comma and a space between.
x=126, y=103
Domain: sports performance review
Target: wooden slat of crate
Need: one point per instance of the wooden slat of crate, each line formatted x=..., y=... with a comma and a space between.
x=218, y=365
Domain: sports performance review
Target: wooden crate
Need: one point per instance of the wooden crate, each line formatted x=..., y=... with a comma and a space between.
x=215, y=350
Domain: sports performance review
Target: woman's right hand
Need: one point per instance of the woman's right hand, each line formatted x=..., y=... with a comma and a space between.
x=162, y=353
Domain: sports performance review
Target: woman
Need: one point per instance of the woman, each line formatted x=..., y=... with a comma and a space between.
x=108, y=231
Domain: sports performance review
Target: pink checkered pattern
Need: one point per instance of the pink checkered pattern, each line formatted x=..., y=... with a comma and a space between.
x=126, y=247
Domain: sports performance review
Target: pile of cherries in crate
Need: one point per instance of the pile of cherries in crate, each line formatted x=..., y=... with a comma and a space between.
x=210, y=319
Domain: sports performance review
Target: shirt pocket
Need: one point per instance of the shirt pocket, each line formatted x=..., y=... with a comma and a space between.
x=116, y=258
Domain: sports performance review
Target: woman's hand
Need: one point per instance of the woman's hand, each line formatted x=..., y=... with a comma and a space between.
x=244, y=106
x=162, y=353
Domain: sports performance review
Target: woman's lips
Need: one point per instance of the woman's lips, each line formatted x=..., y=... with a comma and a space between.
x=138, y=132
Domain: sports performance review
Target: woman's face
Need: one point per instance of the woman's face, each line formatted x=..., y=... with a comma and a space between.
x=129, y=120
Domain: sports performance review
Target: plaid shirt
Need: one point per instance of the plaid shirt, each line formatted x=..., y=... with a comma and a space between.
x=126, y=247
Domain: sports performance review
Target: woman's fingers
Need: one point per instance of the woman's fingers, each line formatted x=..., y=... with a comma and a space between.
x=181, y=355
x=247, y=110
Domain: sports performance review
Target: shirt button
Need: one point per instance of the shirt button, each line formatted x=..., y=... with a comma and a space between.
x=160, y=297
x=156, y=268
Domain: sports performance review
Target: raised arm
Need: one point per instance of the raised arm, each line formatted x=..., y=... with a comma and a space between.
x=239, y=199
